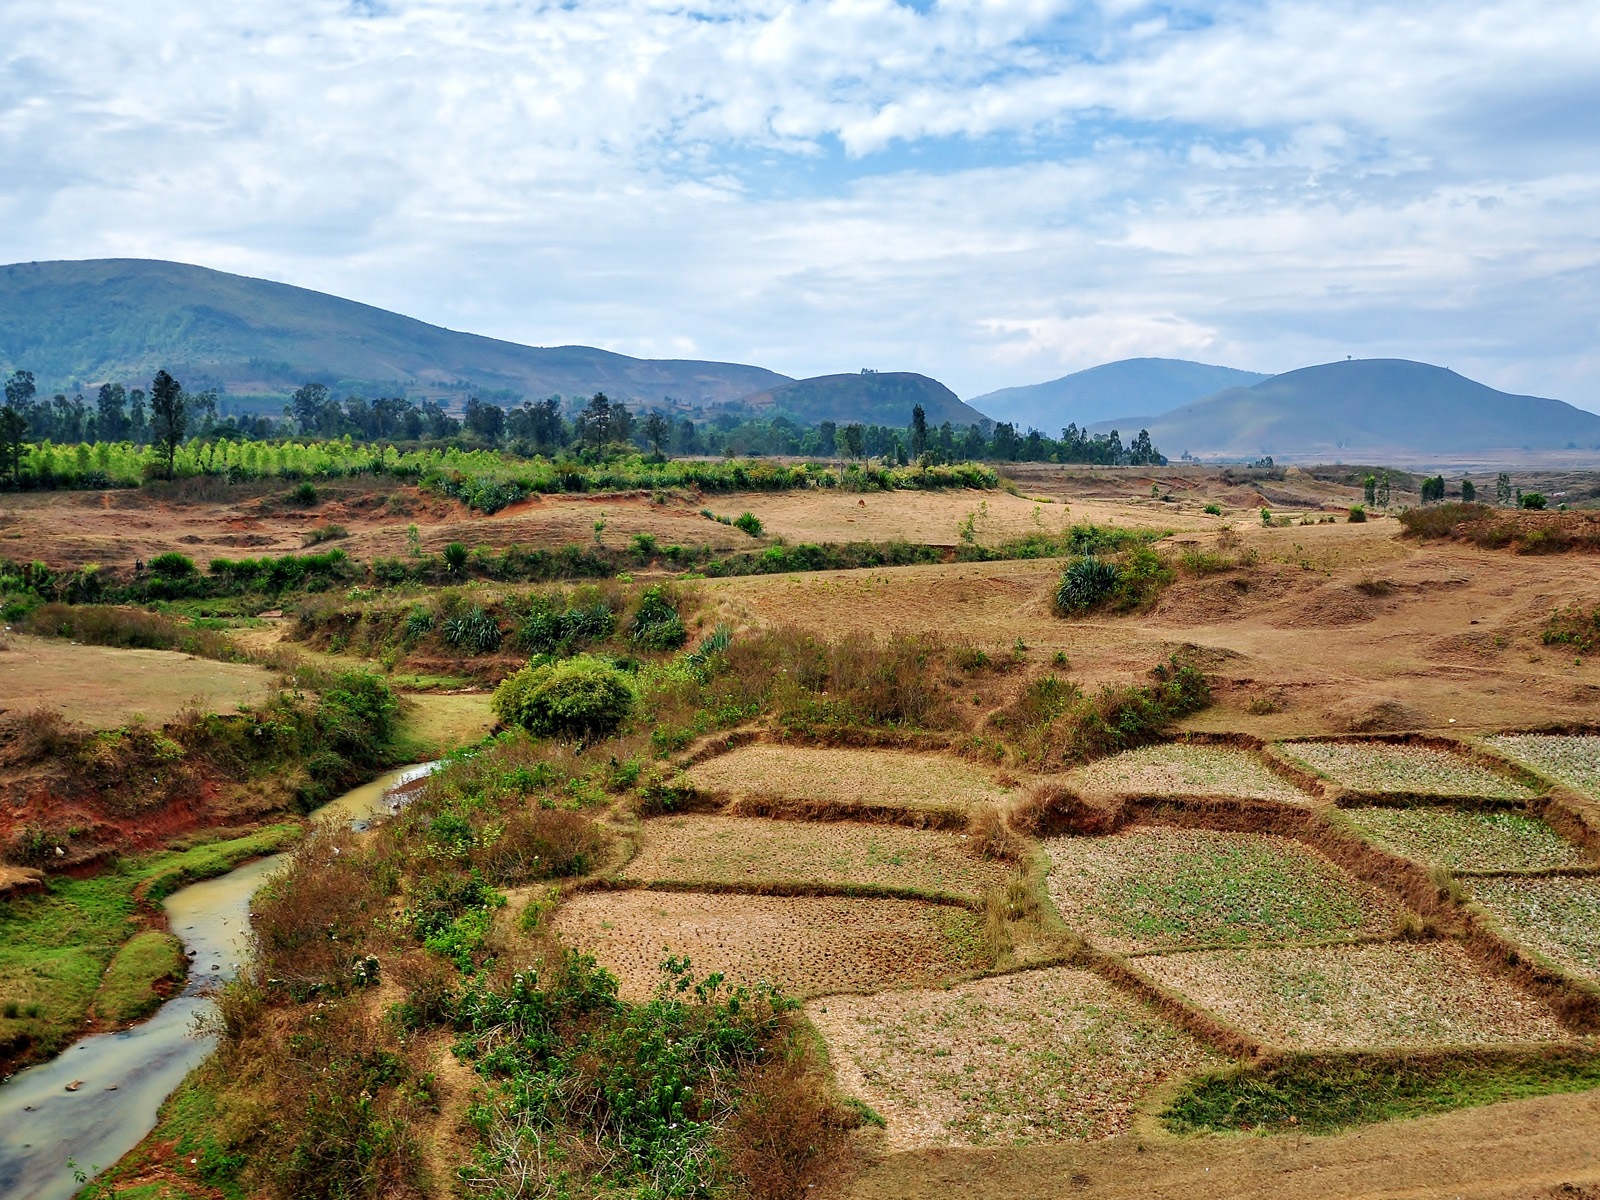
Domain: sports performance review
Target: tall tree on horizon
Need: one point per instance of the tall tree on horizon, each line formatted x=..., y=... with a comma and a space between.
x=169, y=417
x=919, y=431
x=13, y=428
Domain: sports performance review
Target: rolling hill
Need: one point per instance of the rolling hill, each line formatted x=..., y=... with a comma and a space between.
x=1131, y=385
x=1367, y=410
x=873, y=398
x=78, y=324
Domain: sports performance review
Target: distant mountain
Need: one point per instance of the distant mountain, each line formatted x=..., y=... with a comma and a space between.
x=1131, y=385
x=1368, y=410
x=79, y=324
x=873, y=398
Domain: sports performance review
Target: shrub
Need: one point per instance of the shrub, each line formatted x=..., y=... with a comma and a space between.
x=1440, y=520
x=304, y=495
x=325, y=533
x=455, y=559
x=474, y=631
x=1141, y=574
x=657, y=625
x=1214, y=510
x=1533, y=500
x=173, y=565
x=1086, y=582
x=1266, y=516
x=750, y=523
x=1358, y=514
x=582, y=697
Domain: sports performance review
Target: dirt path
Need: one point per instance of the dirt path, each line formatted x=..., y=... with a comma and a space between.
x=1527, y=1150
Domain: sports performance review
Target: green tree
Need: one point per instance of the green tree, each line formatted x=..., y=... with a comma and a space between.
x=1383, y=491
x=307, y=406
x=169, y=417
x=657, y=429
x=111, y=421
x=919, y=431
x=1369, y=489
x=851, y=439
x=20, y=390
x=1469, y=492
x=1502, y=489
x=13, y=428
x=594, y=423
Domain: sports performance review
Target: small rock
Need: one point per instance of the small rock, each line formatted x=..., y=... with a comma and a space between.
x=111, y=1087
x=74, y=1085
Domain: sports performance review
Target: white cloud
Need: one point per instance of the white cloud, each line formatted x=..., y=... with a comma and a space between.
x=979, y=191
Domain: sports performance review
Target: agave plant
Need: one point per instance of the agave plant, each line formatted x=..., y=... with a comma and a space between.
x=1085, y=583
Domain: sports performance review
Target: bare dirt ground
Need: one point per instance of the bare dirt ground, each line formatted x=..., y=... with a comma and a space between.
x=1044, y=1055
x=752, y=851
x=807, y=945
x=1540, y=1149
x=1333, y=997
x=104, y=687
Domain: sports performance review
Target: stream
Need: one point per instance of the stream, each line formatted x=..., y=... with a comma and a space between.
x=124, y=1076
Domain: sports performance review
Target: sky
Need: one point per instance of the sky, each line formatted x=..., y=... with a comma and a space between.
x=991, y=192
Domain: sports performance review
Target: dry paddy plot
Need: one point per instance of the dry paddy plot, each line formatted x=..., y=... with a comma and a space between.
x=1152, y=888
x=1468, y=840
x=1380, y=767
x=890, y=778
x=1570, y=759
x=1178, y=769
x=807, y=945
x=750, y=850
x=1040, y=1056
x=1347, y=997
x=1557, y=916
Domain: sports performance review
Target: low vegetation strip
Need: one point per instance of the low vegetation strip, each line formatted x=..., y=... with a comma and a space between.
x=1403, y=769
x=1354, y=997
x=1558, y=916
x=1326, y=1094
x=1572, y=759
x=847, y=777
x=1039, y=1056
x=807, y=945
x=1470, y=840
x=1148, y=889
x=1181, y=769
x=140, y=976
x=753, y=852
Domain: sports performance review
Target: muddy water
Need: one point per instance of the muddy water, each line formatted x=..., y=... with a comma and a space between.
x=123, y=1077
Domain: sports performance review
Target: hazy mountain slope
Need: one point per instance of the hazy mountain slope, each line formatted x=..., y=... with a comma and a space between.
x=1369, y=408
x=1131, y=385
x=879, y=398
x=82, y=323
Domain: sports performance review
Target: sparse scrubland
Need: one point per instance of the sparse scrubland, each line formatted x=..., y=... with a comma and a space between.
x=777, y=871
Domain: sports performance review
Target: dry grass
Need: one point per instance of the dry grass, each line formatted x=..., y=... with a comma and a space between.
x=1570, y=759
x=102, y=686
x=1040, y=1056
x=1148, y=889
x=807, y=945
x=749, y=850
x=1559, y=917
x=1178, y=769
x=848, y=776
x=1468, y=840
x=1344, y=997
x=1380, y=767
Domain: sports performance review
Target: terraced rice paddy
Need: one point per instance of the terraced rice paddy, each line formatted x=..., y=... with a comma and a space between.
x=1468, y=841
x=749, y=850
x=1378, y=767
x=847, y=777
x=1041, y=1056
x=1150, y=889
x=1177, y=769
x=1570, y=759
x=1341, y=997
x=807, y=945
x=1557, y=916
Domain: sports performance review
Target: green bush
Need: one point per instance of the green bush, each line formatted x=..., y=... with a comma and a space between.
x=455, y=559
x=1358, y=514
x=173, y=565
x=1214, y=510
x=1533, y=500
x=474, y=631
x=750, y=523
x=657, y=625
x=1086, y=582
x=1141, y=574
x=582, y=697
x=304, y=495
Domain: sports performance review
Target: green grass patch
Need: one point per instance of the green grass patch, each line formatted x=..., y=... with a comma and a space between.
x=55, y=947
x=130, y=989
x=1468, y=841
x=1326, y=1095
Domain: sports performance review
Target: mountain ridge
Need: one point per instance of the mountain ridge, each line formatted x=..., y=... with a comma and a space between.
x=1146, y=385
